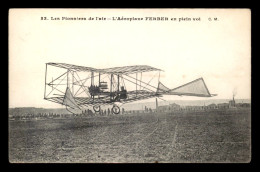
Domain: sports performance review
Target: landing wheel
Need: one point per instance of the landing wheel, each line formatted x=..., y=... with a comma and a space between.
x=96, y=108
x=116, y=109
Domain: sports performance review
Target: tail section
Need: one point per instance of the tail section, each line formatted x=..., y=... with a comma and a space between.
x=196, y=88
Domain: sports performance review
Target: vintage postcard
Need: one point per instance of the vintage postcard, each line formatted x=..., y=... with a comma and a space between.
x=129, y=86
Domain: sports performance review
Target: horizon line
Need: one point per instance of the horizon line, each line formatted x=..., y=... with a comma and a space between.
x=128, y=103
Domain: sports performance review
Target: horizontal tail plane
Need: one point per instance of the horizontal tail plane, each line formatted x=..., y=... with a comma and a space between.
x=194, y=88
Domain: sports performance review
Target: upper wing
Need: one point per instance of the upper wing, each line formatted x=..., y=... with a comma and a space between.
x=130, y=69
x=73, y=67
x=114, y=70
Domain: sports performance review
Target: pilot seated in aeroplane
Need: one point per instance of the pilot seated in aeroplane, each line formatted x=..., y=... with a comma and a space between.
x=123, y=93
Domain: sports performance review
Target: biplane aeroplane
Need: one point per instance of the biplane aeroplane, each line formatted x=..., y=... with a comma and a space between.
x=79, y=87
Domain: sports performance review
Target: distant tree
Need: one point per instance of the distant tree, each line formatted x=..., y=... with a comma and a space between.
x=108, y=111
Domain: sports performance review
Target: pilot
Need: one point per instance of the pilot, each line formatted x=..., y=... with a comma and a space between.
x=123, y=93
x=95, y=88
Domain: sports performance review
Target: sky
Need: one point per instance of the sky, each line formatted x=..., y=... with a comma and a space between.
x=217, y=50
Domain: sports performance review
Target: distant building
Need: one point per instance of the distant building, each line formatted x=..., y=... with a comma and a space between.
x=175, y=106
x=162, y=108
x=198, y=107
x=170, y=107
x=223, y=105
x=243, y=105
x=193, y=108
x=212, y=106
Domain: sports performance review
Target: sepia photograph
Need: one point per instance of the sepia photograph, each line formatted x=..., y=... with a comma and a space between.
x=129, y=85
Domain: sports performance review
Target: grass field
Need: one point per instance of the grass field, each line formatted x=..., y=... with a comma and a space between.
x=185, y=137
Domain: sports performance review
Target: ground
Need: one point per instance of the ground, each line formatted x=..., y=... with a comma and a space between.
x=214, y=136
